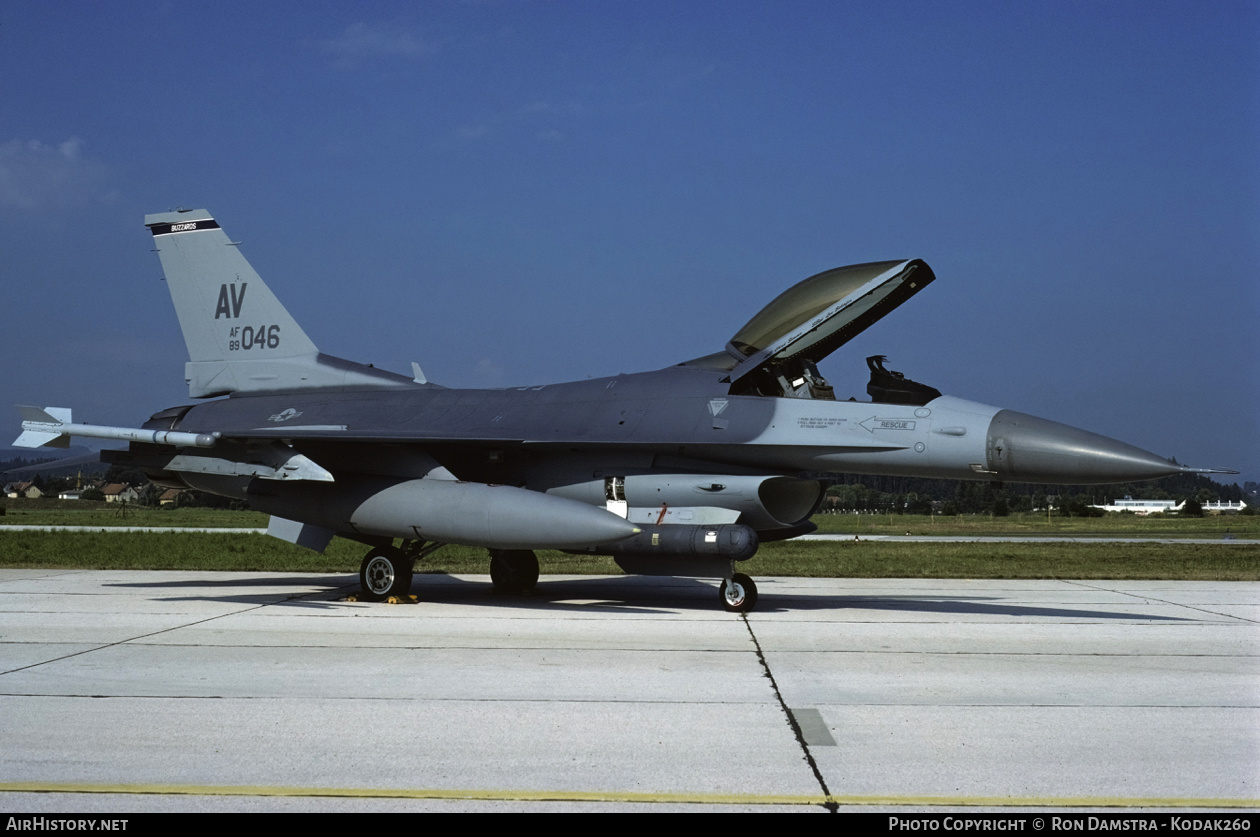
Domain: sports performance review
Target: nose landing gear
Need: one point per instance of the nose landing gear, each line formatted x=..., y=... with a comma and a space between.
x=738, y=593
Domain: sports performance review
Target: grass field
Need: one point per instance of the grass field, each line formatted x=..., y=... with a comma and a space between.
x=53, y=512
x=843, y=559
x=86, y=513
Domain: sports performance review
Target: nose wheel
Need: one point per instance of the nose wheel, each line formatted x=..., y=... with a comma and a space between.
x=385, y=572
x=738, y=593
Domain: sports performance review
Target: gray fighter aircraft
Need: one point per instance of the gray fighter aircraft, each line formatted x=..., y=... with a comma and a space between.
x=681, y=471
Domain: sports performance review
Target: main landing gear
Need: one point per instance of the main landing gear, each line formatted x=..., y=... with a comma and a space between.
x=738, y=593
x=513, y=571
x=385, y=571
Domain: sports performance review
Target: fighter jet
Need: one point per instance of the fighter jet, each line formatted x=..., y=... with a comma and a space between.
x=681, y=471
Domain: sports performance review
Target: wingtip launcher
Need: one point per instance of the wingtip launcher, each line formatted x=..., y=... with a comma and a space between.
x=52, y=427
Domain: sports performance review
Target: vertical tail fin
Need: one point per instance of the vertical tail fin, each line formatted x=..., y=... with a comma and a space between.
x=240, y=338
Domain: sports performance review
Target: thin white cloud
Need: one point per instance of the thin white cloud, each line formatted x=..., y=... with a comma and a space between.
x=365, y=41
x=36, y=175
x=530, y=112
x=70, y=148
x=488, y=370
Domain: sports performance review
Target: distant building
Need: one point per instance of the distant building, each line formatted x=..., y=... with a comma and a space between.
x=1145, y=507
x=169, y=496
x=1224, y=506
x=1141, y=507
x=29, y=490
x=117, y=492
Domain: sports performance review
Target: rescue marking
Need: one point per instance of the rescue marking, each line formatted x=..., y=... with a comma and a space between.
x=872, y=424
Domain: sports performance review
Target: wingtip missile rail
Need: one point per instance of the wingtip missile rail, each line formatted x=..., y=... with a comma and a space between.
x=52, y=427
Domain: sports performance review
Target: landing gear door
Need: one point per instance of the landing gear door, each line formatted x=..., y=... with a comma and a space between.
x=615, y=496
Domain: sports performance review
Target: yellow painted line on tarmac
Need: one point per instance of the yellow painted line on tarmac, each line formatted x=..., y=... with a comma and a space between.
x=631, y=796
x=416, y=793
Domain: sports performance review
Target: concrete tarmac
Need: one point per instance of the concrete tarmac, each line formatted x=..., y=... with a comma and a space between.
x=138, y=691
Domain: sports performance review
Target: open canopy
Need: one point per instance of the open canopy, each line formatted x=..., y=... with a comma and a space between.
x=813, y=318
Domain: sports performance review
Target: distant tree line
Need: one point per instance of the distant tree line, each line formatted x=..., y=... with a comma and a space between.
x=910, y=495
x=852, y=492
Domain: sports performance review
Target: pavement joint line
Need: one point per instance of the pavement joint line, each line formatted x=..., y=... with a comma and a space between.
x=410, y=699
x=1083, y=583
x=829, y=803
x=622, y=702
x=631, y=796
x=656, y=651
x=47, y=572
x=152, y=633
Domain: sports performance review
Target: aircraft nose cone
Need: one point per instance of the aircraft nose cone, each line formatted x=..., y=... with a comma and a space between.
x=1024, y=448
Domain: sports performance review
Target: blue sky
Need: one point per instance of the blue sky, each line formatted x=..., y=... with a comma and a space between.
x=514, y=193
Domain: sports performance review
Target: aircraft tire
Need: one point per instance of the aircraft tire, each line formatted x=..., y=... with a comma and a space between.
x=385, y=572
x=513, y=570
x=738, y=594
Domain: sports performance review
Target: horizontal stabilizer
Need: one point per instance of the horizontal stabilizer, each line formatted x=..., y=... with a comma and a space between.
x=315, y=538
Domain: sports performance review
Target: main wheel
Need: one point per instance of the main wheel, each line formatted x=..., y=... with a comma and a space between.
x=513, y=570
x=385, y=572
x=738, y=593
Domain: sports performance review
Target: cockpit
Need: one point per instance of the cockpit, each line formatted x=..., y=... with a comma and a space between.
x=776, y=353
